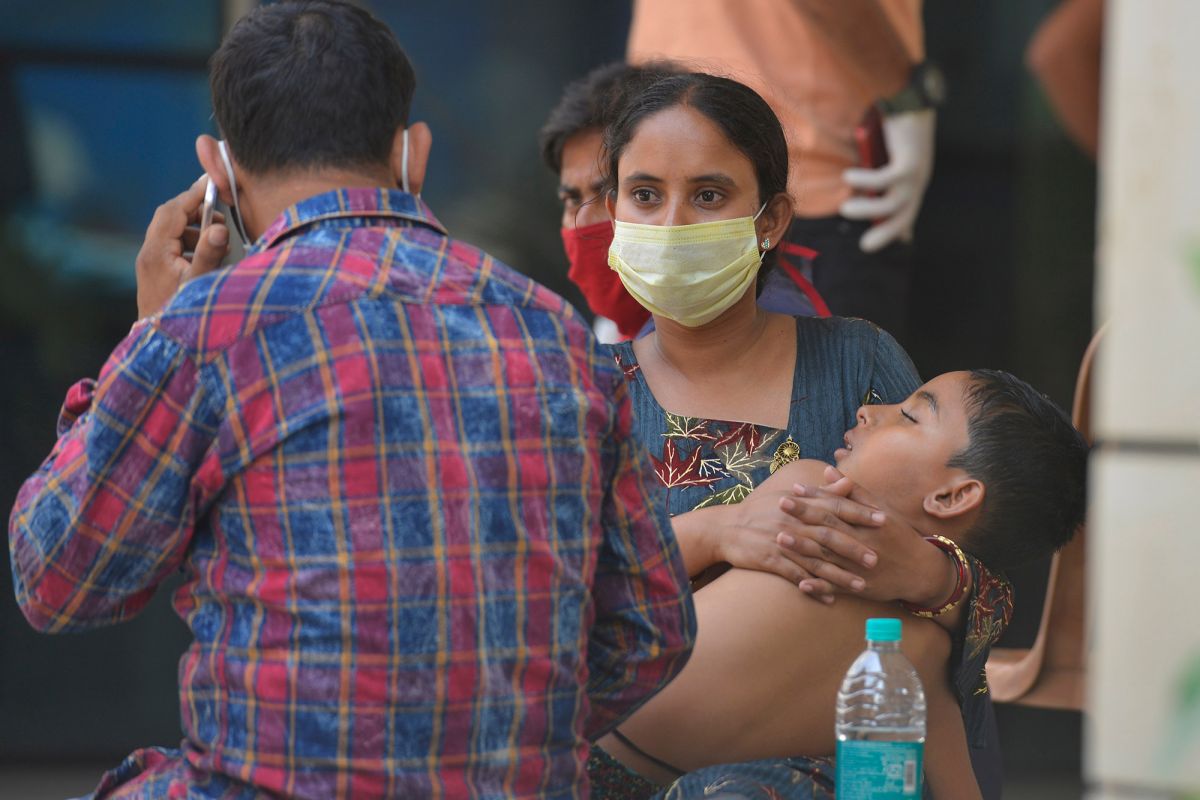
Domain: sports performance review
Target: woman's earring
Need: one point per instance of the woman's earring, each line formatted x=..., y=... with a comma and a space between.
x=766, y=243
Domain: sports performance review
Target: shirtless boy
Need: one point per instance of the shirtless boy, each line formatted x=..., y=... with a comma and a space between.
x=972, y=456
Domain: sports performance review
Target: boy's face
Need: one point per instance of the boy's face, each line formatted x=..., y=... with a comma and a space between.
x=899, y=452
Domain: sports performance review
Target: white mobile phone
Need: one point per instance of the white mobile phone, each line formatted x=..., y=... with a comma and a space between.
x=210, y=200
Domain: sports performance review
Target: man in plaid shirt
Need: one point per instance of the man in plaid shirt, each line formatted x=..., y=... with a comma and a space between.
x=423, y=554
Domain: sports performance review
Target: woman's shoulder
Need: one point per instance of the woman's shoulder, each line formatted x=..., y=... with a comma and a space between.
x=841, y=339
x=849, y=329
x=851, y=346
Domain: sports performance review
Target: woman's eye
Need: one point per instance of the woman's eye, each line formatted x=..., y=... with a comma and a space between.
x=709, y=196
x=908, y=416
x=643, y=195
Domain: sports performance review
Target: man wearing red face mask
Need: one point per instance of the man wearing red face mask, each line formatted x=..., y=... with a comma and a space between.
x=571, y=141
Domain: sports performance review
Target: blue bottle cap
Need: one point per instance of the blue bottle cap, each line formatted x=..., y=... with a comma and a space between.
x=883, y=629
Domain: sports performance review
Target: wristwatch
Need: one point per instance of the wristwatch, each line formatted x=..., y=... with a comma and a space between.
x=926, y=88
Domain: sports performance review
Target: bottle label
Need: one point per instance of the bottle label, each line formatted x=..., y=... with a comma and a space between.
x=879, y=770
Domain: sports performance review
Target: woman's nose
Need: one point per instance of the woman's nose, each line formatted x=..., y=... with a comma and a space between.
x=674, y=213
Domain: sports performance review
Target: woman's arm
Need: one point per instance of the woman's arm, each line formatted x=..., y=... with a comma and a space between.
x=908, y=568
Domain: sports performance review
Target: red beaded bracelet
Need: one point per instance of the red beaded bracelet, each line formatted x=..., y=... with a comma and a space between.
x=955, y=554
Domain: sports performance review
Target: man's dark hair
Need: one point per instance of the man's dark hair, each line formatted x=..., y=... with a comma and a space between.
x=1033, y=465
x=590, y=103
x=310, y=84
x=740, y=112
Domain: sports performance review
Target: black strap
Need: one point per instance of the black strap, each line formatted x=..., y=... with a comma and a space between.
x=623, y=739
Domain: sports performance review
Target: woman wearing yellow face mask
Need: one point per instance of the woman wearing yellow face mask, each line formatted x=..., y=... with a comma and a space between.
x=725, y=392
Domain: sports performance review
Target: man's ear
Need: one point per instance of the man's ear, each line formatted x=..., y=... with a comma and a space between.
x=774, y=221
x=960, y=496
x=420, y=142
x=209, y=154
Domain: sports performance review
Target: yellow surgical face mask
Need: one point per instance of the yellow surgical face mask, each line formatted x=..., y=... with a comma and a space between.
x=688, y=273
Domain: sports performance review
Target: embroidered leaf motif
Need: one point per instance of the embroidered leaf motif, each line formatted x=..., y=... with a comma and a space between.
x=628, y=370
x=687, y=428
x=675, y=470
x=746, y=433
x=734, y=494
x=714, y=467
x=741, y=463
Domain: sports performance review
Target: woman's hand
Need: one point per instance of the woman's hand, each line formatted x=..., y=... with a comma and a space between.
x=842, y=538
x=745, y=535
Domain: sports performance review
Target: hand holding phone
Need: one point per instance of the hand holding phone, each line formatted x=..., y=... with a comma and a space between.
x=890, y=195
x=176, y=250
x=868, y=139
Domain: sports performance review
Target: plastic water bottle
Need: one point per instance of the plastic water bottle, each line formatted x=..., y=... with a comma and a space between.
x=880, y=721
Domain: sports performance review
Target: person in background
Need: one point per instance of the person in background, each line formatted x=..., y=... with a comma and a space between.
x=424, y=554
x=571, y=142
x=1065, y=55
x=822, y=65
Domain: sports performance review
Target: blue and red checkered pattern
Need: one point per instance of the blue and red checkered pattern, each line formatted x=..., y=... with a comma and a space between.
x=424, y=556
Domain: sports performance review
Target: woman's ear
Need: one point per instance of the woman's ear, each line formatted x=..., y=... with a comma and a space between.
x=961, y=496
x=610, y=205
x=774, y=221
x=420, y=142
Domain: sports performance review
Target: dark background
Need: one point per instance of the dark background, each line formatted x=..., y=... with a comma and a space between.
x=100, y=104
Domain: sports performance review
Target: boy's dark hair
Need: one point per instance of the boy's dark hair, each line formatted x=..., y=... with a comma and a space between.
x=310, y=84
x=1033, y=464
x=739, y=111
x=591, y=101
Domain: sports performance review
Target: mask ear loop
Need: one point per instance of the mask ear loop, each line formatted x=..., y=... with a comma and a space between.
x=762, y=253
x=404, y=164
x=237, y=211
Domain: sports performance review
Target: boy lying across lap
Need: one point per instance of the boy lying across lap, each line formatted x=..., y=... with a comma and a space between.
x=971, y=456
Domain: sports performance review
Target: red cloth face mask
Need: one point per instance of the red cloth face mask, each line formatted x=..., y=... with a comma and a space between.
x=587, y=251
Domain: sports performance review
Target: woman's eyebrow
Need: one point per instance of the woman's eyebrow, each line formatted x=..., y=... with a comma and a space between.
x=713, y=177
x=642, y=176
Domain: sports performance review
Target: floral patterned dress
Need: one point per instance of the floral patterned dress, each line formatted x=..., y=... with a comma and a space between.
x=840, y=364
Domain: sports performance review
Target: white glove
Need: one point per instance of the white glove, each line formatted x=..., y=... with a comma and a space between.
x=902, y=181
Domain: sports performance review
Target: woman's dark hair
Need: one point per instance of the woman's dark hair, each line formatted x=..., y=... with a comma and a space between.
x=1033, y=465
x=311, y=83
x=589, y=103
x=744, y=117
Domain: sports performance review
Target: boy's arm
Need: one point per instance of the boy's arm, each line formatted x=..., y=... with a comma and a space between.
x=948, y=770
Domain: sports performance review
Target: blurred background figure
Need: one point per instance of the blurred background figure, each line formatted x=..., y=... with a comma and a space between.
x=1065, y=56
x=571, y=142
x=822, y=65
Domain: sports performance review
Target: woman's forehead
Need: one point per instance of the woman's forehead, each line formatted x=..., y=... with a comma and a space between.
x=682, y=140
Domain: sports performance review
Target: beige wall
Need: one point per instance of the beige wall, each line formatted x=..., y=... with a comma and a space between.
x=1143, y=732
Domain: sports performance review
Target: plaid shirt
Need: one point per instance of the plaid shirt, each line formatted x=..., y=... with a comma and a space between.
x=424, y=555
